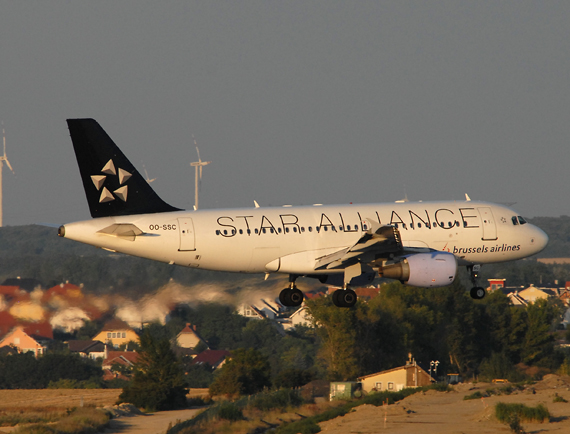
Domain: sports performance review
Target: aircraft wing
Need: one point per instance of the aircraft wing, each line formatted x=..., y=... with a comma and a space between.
x=377, y=242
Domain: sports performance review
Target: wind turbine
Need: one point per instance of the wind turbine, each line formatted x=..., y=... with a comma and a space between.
x=2, y=159
x=198, y=165
x=146, y=175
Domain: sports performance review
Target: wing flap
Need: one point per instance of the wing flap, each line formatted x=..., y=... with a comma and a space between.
x=377, y=241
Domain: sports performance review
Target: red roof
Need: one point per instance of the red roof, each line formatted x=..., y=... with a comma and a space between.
x=38, y=329
x=122, y=357
x=211, y=357
x=115, y=324
x=7, y=323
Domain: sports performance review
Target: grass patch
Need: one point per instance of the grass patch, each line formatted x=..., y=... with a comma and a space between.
x=558, y=398
x=16, y=416
x=85, y=420
x=476, y=395
x=506, y=413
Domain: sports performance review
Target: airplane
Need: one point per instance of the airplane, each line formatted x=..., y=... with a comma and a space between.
x=421, y=244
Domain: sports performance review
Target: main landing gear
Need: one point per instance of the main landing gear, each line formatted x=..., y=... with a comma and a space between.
x=344, y=297
x=291, y=297
x=477, y=293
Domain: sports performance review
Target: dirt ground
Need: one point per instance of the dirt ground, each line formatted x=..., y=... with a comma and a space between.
x=447, y=413
x=57, y=398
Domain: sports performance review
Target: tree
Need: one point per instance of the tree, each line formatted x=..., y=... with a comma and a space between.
x=158, y=382
x=246, y=373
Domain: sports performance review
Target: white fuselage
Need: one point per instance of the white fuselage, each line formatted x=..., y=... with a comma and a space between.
x=290, y=239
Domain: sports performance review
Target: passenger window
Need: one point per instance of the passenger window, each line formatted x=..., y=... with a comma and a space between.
x=434, y=224
x=302, y=228
x=348, y=227
x=326, y=228
x=241, y=231
x=310, y=229
x=294, y=228
x=264, y=230
x=279, y=230
x=233, y=231
x=272, y=230
x=217, y=232
x=318, y=228
x=365, y=227
x=287, y=230
x=515, y=221
x=256, y=231
x=340, y=228
x=225, y=232
x=249, y=231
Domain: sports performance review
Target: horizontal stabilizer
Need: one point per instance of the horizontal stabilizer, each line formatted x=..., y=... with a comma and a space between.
x=123, y=230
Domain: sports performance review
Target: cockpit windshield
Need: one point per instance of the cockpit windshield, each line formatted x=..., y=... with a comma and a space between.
x=518, y=220
x=522, y=221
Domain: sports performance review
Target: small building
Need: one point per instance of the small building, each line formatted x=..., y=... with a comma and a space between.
x=532, y=293
x=345, y=390
x=189, y=337
x=251, y=312
x=116, y=333
x=497, y=284
x=393, y=380
x=215, y=358
x=301, y=316
x=23, y=342
x=87, y=348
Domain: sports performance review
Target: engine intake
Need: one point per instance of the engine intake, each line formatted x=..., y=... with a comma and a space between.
x=423, y=269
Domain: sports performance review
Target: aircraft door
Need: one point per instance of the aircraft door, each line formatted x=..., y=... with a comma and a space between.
x=187, y=235
x=488, y=223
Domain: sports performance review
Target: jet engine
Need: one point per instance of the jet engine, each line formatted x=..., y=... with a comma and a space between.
x=423, y=269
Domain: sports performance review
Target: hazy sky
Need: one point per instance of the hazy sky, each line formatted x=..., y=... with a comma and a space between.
x=294, y=102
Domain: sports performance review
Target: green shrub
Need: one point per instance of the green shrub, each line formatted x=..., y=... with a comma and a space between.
x=506, y=412
x=229, y=411
x=283, y=398
x=475, y=395
x=558, y=398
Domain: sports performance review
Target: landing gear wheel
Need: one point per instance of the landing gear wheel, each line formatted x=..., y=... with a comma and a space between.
x=478, y=293
x=344, y=298
x=291, y=297
x=285, y=297
x=296, y=297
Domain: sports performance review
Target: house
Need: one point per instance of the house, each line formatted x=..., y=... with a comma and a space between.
x=215, y=358
x=532, y=293
x=116, y=333
x=409, y=375
x=189, y=338
x=301, y=316
x=26, y=284
x=118, y=363
x=496, y=284
x=24, y=342
x=250, y=311
x=88, y=348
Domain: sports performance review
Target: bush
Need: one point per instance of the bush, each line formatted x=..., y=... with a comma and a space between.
x=507, y=412
x=475, y=395
x=280, y=399
x=229, y=411
x=558, y=398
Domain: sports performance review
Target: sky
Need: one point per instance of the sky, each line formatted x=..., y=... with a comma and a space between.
x=294, y=102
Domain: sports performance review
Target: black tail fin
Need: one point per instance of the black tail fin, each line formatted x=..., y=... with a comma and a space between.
x=112, y=185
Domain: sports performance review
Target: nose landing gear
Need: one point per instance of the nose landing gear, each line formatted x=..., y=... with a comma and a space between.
x=477, y=292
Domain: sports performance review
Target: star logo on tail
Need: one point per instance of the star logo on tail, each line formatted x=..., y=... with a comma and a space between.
x=122, y=177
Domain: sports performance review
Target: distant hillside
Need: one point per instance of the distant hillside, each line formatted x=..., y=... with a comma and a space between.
x=558, y=230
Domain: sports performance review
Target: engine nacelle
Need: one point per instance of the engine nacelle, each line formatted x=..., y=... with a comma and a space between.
x=423, y=269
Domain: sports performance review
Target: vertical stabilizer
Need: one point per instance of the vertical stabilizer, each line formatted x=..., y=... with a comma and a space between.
x=112, y=184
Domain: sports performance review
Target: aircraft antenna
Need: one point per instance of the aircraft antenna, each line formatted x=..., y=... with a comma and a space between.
x=3, y=159
x=198, y=166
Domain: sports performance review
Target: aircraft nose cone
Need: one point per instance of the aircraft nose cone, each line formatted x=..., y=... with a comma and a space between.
x=538, y=239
